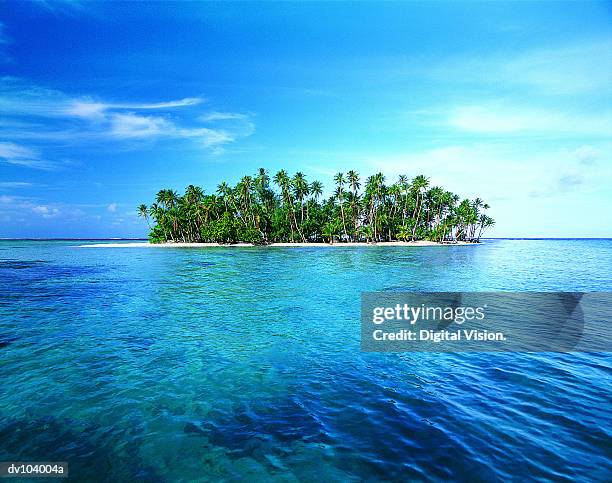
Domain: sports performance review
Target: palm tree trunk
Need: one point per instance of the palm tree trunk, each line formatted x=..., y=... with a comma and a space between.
x=416, y=223
x=342, y=212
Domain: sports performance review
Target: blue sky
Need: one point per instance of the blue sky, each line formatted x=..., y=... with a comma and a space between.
x=101, y=105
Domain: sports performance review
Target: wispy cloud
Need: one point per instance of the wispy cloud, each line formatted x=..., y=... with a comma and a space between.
x=12, y=206
x=46, y=211
x=88, y=108
x=576, y=68
x=26, y=209
x=502, y=118
x=67, y=7
x=134, y=126
x=587, y=155
x=19, y=155
x=14, y=184
x=222, y=116
x=39, y=114
x=502, y=169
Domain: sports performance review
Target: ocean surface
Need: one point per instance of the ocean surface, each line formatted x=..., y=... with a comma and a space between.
x=244, y=364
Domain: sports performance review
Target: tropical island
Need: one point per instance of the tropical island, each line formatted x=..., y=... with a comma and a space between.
x=252, y=212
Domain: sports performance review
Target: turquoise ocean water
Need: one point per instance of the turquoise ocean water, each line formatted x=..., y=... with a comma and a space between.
x=230, y=364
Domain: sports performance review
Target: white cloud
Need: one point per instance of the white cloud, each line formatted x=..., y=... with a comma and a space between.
x=501, y=118
x=14, y=184
x=587, y=154
x=235, y=125
x=18, y=98
x=112, y=208
x=222, y=116
x=47, y=115
x=25, y=208
x=214, y=137
x=63, y=6
x=12, y=150
x=5, y=199
x=46, y=211
x=493, y=170
x=16, y=154
x=126, y=126
x=134, y=126
x=88, y=108
x=574, y=68
x=533, y=188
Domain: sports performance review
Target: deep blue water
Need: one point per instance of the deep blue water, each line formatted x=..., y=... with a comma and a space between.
x=167, y=364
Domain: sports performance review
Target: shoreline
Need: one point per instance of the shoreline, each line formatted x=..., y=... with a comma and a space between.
x=420, y=243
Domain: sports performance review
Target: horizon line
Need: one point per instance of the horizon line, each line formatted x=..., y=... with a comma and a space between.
x=144, y=238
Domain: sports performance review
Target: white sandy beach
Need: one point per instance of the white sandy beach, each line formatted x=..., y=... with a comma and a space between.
x=420, y=243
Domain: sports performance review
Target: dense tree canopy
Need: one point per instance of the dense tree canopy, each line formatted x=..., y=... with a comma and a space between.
x=254, y=212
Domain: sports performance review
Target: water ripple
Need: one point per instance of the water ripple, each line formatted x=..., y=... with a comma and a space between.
x=157, y=365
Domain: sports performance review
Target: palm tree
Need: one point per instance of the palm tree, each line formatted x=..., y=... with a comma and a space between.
x=404, y=232
x=262, y=180
x=253, y=211
x=353, y=181
x=485, y=222
x=375, y=192
x=435, y=197
x=244, y=190
x=159, y=212
x=330, y=230
x=465, y=217
x=418, y=184
x=223, y=191
x=282, y=180
x=144, y=213
x=394, y=192
x=300, y=190
x=405, y=186
x=339, y=195
x=316, y=189
x=365, y=231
